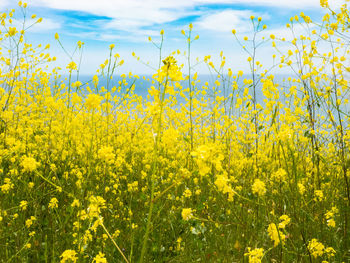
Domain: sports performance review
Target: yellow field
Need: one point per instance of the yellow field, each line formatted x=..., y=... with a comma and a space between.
x=200, y=172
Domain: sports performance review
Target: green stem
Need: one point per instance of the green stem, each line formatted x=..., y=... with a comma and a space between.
x=150, y=211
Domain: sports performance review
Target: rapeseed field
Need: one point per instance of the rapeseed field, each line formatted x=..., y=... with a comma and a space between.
x=193, y=172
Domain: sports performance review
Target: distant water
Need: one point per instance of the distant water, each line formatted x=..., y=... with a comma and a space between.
x=142, y=85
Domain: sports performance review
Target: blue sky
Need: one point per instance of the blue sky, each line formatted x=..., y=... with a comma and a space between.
x=128, y=23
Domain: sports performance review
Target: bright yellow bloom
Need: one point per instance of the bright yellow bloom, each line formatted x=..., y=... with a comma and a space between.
x=93, y=101
x=12, y=31
x=330, y=251
x=255, y=255
x=29, y=164
x=68, y=255
x=100, y=258
x=23, y=205
x=72, y=66
x=53, y=203
x=276, y=235
x=30, y=221
x=316, y=248
x=285, y=220
x=319, y=195
x=258, y=187
x=186, y=214
x=106, y=154
x=324, y=3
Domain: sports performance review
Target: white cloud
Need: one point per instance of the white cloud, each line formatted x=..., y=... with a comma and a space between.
x=137, y=18
x=138, y=13
x=46, y=25
x=225, y=21
x=134, y=14
x=3, y=3
x=295, y=4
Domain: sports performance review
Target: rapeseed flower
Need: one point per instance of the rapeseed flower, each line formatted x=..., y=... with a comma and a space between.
x=69, y=255
x=316, y=248
x=186, y=214
x=258, y=187
x=255, y=255
x=100, y=258
x=29, y=164
x=53, y=203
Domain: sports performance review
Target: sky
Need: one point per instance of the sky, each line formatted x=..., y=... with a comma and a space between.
x=129, y=23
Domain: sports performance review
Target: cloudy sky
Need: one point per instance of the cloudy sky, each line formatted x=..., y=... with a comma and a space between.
x=129, y=23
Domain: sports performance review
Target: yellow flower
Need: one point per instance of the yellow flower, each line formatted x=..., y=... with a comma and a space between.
x=280, y=174
x=301, y=188
x=187, y=193
x=80, y=44
x=5, y=188
x=75, y=203
x=255, y=255
x=23, y=205
x=324, y=3
x=330, y=251
x=319, y=195
x=30, y=221
x=93, y=101
x=331, y=222
x=106, y=154
x=68, y=255
x=316, y=248
x=12, y=31
x=72, y=66
x=330, y=216
x=275, y=235
x=285, y=220
x=100, y=258
x=95, y=80
x=96, y=204
x=186, y=214
x=53, y=203
x=258, y=187
x=29, y=164
x=133, y=187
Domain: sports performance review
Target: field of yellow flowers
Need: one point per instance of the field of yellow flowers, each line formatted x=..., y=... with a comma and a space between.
x=194, y=172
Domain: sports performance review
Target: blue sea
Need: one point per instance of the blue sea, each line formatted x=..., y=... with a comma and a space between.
x=144, y=82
